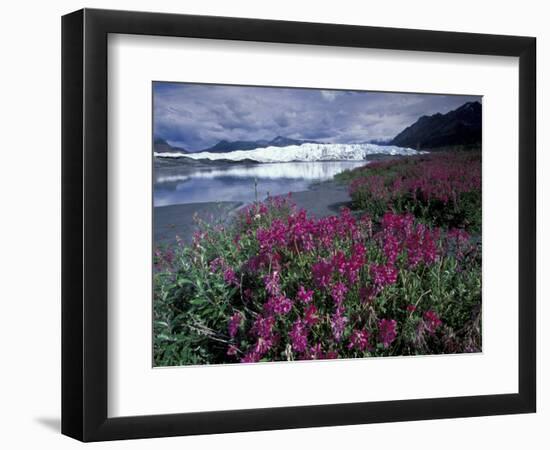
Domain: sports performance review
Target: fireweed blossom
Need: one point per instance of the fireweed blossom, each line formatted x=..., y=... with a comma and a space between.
x=271, y=282
x=338, y=323
x=251, y=358
x=401, y=234
x=338, y=293
x=339, y=262
x=234, y=324
x=322, y=273
x=387, y=331
x=305, y=296
x=356, y=261
x=316, y=352
x=263, y=327
x=431, y=321
x=391, y=248
x=359, y=340
x=316, y=286
x=279, y=305
x=311, y=315
x=383, y=275
x=434, y=178
x=230, y=277
x=298, y=336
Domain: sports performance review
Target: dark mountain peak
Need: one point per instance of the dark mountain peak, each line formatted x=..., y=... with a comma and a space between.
x=468, y=108
x=224, y=146
x=476, y=106
x=282, y=141
x=161, y=146
x=460, y=127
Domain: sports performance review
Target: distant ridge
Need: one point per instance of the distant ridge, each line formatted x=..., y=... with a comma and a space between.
x=460, y=127
x=161, y=146
x=279, y=141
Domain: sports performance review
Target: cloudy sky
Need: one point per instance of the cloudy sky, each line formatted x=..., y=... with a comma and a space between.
x=197, y=116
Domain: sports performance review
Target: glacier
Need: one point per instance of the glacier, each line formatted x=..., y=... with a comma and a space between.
x=308, y=152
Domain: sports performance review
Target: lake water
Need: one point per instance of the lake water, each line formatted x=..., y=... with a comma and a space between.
x=177, y=183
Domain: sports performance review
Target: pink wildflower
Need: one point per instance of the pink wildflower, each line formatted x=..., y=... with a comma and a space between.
x=234, y=324
x=338, y=323
x=278, y=305
x=271, y=282
x=316, y=352
x=383, y=275
x=322, y=273
x=298, y=336
x=338, y=292
x=387, y=331
x=359, y=340
x=432, y=321
x=230, y=277
x=251, y=357
x=263, y=327
x=304, y=296
x=339, y=262
x=311, y=316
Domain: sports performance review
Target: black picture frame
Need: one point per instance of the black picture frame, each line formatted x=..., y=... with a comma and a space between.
x=84, y=224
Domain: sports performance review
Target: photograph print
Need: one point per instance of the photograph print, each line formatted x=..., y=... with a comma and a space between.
x=295, y=224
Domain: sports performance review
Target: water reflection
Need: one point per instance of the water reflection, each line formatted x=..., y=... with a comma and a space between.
x=182, y=183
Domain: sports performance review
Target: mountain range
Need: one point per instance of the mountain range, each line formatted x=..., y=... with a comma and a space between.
x=161, y=146
x=279, y=141
x=460, y=127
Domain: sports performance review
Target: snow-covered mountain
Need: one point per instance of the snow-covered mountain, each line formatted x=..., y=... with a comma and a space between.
x=305, y=152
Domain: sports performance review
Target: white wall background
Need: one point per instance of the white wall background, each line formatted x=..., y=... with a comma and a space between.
x=30, y=221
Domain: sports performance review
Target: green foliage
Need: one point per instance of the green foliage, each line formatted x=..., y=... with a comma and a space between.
x=199, y=288
x=441, y=189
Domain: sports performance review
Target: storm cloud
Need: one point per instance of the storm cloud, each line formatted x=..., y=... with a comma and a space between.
x=197, y=116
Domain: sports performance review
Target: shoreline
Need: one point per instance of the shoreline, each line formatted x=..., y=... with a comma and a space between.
x=319, y=200
x=173, y=221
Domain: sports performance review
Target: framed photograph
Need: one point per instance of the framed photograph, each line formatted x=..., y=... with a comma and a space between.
x=273, y=224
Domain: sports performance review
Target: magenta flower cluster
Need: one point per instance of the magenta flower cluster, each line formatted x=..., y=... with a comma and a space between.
x=401, y=235
x=387, y=330
x=343, y=266
x=442, y=189
x=442, y=177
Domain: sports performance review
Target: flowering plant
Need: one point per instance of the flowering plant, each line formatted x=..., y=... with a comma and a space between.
x=443, y=189
x=279, y=285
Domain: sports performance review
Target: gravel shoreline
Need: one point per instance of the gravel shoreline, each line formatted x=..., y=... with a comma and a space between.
x=320, y=200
